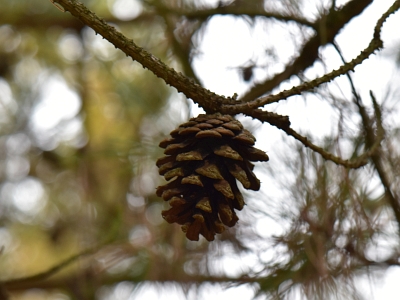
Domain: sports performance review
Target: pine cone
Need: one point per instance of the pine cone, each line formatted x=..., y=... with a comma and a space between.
x=204, y=157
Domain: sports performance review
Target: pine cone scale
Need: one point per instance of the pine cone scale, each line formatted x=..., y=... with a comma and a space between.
x=204, y=205
x=228, y=152
x=208, y=134
x=224, y=188
x=209, y=170
x=192, y=179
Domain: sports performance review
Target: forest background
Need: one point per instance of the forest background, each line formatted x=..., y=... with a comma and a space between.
x=80, y=124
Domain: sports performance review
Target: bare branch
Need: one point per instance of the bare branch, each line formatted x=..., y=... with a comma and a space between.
x=375, y=44
x=210, y=101
x=270, y=117
x=283, y=123
x=239, y=11
x=377, y=156
x=110, y=279
x=297, y=90
x=328, y=26
x=355, y=163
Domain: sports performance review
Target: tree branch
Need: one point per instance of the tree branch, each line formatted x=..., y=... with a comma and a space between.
x=377, y=156
x=210, y=101
x=374, y=45
x=371, y=140
x=328, y=26
x=307, y=86
x=110, y=279
x=238, y=11
x=355, y=163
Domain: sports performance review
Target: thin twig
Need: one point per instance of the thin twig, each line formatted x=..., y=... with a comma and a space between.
x=355, y=163
x=328, y=26
x=375, y=44
x=377, y=157
x=212, y=102
x=307, y=86
x=239, y=11
x=284, y=124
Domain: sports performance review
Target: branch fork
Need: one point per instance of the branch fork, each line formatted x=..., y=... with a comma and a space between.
x=213, y=103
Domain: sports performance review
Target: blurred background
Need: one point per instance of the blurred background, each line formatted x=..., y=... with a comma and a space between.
x=80, y=125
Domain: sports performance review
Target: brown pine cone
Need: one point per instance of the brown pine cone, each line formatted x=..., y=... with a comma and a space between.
x=204, y=157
